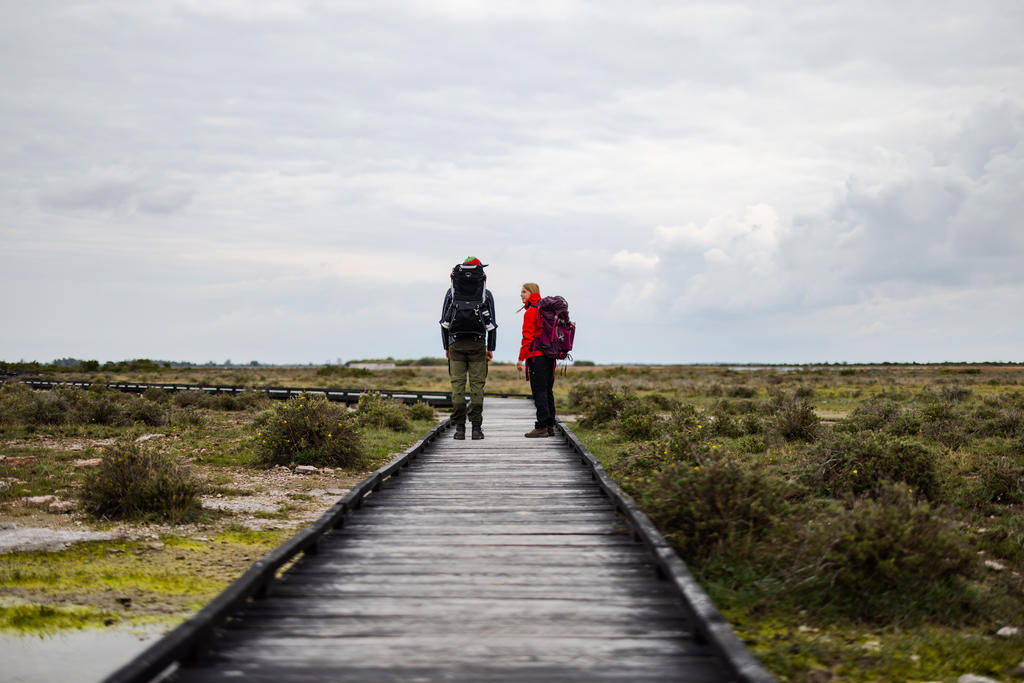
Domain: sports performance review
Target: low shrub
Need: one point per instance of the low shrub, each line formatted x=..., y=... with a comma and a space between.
x=751, y=444
x=133, y=482
x=874, y=415
x=308, y=430
x=718, y=507
x=421, y=411
x=864, y=463
x=804, y=392
x=188, y=417
x=156, y=394
x=952, y=433
x=189, y=398
x=795, y=419
x=724, y=424
x=639, y=426
x=752, y=424
x=955, y=393
x=884, y=561
x=598, y=404
x=689, y=420
x=1001, y=481
x=382, y=413
x=102, y=408
x=147, y=412
x=1007, y=423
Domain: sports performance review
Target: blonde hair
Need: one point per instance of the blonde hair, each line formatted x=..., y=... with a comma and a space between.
x=532, y=288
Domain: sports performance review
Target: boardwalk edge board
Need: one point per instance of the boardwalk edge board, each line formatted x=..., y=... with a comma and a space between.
x=707, y=620
x=188, y=639
x=438, y=399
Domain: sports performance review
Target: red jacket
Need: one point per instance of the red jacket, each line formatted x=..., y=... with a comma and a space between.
x=531, y=328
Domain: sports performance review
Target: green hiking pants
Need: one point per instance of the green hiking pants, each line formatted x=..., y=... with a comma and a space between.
x=467, y=359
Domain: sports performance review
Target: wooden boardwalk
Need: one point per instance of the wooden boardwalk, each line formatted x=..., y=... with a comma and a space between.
x=493, y=560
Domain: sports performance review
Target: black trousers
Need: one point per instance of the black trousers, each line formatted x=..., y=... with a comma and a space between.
x=542, y=382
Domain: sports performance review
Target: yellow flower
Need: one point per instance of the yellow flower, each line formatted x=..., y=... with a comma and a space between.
x=855, y=471
x=700, y=426
x=696, y=467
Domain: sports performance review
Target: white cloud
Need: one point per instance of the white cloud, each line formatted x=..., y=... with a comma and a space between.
x=628, y=260
x=703, y=168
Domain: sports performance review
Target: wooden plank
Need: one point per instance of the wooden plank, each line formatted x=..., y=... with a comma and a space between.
x=395, y=670
x=253, y=648
x=285, y=624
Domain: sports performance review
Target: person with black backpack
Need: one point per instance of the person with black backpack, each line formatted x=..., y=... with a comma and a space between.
x=468, y=333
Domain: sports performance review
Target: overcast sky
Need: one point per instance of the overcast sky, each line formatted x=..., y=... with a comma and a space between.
x=292, y=181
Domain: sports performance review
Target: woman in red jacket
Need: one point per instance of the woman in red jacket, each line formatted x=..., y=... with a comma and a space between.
x=540, y=370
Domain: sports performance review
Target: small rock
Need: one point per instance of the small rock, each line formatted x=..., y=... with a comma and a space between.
x=4, y=485
x=1019, y=673
x=21, y=460
x=1008, y=632
x=61, y=507
x=146, y=437
x=88, y=462
x=3, y=458
x=75, y=447
x=40, y=500
x=872, y=645
x=306, y=469
x=156, y=546
x=995, y=566
x=974, y=678
x=104, y=442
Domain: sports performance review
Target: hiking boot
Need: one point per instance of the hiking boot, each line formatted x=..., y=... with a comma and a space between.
x=537, y=433
x=551, y=431
x=460, y=432
x=477, y=433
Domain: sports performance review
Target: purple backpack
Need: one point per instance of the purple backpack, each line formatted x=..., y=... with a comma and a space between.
x=557, y=331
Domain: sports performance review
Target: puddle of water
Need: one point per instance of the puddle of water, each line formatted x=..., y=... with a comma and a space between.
x=71, y=656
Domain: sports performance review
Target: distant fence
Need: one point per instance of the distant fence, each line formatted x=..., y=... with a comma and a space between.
x=437, y=399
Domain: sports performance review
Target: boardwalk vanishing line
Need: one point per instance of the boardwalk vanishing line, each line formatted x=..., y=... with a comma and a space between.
x=438, y=399
x=505, y=559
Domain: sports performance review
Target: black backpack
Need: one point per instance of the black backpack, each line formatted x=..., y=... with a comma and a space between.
x=467, y=313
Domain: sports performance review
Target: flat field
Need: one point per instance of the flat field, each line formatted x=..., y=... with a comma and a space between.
x=854, y=523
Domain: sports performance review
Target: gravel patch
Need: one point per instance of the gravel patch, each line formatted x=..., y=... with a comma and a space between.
x=14, y=538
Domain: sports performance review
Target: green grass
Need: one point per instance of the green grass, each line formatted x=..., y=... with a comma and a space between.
x=96, y=567
x=41, y=619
